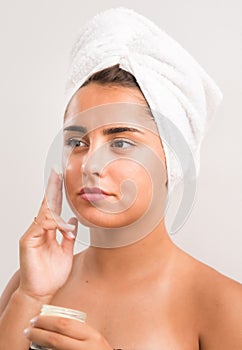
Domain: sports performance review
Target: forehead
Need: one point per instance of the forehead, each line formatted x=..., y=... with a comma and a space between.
x=97, y=106
x=94, y=95
x=117, y=114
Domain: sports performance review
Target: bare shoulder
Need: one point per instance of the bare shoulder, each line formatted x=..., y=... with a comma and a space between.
x=216, y=283
x=218, y=301
x=207, y=278
x=221, y=310
x=9, y=290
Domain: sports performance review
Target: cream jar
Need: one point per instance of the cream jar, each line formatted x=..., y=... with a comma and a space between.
x=51, y=310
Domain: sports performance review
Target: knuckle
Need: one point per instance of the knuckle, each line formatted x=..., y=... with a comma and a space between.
x=54, y=340
x=62, y=323
x=47, y=213
x=52, y=224
x=45, y=225
x=50, y=215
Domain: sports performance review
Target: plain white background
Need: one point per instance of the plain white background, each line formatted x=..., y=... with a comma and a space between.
x=36, y=38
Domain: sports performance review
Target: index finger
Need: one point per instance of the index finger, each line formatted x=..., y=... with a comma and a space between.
x=53, y=193
x=76, y=329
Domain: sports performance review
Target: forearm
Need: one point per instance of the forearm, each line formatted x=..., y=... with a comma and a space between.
x=15, y=318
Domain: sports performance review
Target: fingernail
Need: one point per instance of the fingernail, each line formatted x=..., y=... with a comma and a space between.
x=33, y=320
x=26, y=332
x=70, y=235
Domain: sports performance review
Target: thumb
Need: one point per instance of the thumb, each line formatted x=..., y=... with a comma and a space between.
x=68, y=242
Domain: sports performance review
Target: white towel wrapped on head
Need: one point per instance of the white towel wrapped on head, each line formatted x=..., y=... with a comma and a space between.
x=173, y=83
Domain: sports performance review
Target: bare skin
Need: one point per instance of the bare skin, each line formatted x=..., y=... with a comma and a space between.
x=144, y=296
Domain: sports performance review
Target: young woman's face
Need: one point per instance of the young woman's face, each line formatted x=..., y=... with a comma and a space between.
x=113, y=158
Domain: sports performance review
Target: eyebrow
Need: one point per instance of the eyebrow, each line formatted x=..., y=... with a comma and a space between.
x=109, y=131
x=117, y=130
x=77, y=128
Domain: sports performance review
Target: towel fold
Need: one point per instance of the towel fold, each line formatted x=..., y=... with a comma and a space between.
x=182, y=96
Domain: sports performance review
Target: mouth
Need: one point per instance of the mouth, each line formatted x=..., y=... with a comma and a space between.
x=92, y=194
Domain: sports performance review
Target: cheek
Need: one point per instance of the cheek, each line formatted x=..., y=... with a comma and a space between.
x=72, y=175
x=130, y=180
x=133, y=181
x=144, y=185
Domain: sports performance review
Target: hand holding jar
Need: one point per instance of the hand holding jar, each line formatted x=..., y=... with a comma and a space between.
x=62, y=328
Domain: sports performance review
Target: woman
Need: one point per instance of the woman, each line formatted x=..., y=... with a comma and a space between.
x=138, y=289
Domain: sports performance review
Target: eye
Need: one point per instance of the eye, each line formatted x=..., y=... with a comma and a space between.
x=74, y=143
x=121, y=144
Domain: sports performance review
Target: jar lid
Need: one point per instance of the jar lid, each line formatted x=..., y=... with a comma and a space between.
x=52, y=310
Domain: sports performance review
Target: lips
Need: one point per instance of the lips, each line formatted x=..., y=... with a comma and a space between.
x=96, y=190
x=93, y=194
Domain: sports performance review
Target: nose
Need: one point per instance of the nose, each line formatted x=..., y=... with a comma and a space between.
x=88, y=169
x=92, y=163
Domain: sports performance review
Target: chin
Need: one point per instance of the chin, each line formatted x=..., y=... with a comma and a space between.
x=103, y=220
x=93, y=217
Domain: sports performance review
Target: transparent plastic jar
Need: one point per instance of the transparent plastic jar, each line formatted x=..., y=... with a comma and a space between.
x=51, y=310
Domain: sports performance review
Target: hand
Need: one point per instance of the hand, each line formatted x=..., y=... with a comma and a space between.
x=44, y=263
x=65, y=334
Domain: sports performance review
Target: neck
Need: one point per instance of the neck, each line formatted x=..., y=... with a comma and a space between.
x=148, y=254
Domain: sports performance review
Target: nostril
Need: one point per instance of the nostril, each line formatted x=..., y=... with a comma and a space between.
x=89, y=168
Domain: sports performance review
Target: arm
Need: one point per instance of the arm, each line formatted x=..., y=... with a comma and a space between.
x=12, y=285
x=15, y=318
x=16, y=309
x=8, y=306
